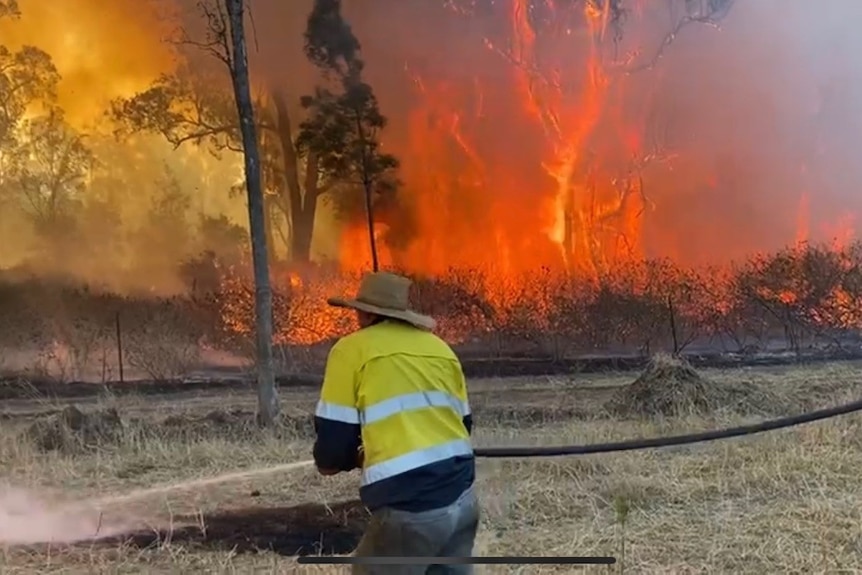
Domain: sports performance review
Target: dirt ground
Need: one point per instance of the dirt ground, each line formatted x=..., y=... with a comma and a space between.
x=780, y=502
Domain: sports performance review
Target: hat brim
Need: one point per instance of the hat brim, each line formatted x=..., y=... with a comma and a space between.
x=415, y=319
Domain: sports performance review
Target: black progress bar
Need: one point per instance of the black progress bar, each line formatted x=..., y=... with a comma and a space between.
x=324, y=560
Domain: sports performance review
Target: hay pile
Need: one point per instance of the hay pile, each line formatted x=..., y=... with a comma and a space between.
x=670, y=386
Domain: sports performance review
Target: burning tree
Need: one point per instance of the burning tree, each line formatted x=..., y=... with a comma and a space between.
x=237, y=61
x=162, y=109
x=597, y=199
x=44, y=162
x=341, y=130
x=28, y=78
x=195, y=107
x=811, y=292
x=50, y=172
x=582, y=170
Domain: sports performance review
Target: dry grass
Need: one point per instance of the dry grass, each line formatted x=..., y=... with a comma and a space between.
x=781, y=502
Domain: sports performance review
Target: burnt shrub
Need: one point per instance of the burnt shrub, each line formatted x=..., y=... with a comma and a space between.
x=811, y=293
x=801, y=297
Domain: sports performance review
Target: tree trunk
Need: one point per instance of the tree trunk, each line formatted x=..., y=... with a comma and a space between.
x=302, y=202
x=302, y=232
x=369, y=200
x=268, y=408
x=269, y=207
x=270, y=201
x=303, y=221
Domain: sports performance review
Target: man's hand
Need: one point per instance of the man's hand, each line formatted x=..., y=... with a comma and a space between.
x=360, y=461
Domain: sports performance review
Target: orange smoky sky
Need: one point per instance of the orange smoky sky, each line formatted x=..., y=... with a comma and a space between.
x=103, y=49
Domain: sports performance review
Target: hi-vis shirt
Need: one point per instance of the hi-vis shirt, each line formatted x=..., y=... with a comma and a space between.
x=399, y=392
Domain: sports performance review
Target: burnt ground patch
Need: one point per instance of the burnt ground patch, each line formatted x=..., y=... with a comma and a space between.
x=307, y=529
x=224, y=379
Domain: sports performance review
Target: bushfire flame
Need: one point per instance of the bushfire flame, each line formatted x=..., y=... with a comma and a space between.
x=570, y=197
x=562, y=191
x=573, y=202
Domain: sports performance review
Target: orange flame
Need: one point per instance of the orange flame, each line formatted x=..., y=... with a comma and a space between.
x=556, y=207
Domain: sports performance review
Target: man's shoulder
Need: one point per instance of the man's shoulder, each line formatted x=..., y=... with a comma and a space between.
x=349, y=344
x=396, y=339
x=358, y=344
x=382, y=340
x=428, y=343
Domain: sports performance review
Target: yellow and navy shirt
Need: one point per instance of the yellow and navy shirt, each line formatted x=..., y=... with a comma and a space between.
x=400, y=393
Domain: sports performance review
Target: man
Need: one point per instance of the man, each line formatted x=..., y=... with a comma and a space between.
x=394, y=404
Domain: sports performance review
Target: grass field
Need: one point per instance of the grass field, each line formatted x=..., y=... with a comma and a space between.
x=782, y=502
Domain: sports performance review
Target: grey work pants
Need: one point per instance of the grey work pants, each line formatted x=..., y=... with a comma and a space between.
x=446, y=532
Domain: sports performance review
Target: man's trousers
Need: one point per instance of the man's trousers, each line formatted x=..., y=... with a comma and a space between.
x=445, y=532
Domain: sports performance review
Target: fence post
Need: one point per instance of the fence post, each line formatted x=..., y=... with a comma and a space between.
x=119, y=346
x=672, y=316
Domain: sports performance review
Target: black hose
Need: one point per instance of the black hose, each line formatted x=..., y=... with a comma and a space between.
x=632, y=444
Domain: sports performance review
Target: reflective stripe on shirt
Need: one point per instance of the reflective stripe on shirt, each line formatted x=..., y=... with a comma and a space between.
x=414, y=459
x=390, y=407
x=409, y=401
x=336, y=412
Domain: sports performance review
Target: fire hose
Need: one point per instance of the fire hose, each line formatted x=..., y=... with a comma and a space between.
x=648, y=443
x=524, y=452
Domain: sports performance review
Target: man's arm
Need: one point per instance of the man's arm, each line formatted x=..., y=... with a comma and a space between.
x=461, y=387
x=336, y=420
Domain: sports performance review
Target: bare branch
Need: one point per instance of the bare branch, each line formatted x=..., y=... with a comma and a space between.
x=187, y=107
x=253, y=28
x=708, y=12
x=50, y=174
x=216, y=40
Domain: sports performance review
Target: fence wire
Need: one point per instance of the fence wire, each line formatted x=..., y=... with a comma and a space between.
x=648, y=443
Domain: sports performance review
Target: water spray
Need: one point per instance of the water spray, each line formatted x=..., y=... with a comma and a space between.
x=28, y=520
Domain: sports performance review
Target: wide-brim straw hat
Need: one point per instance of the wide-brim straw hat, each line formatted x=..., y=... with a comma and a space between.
x=387, y=295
